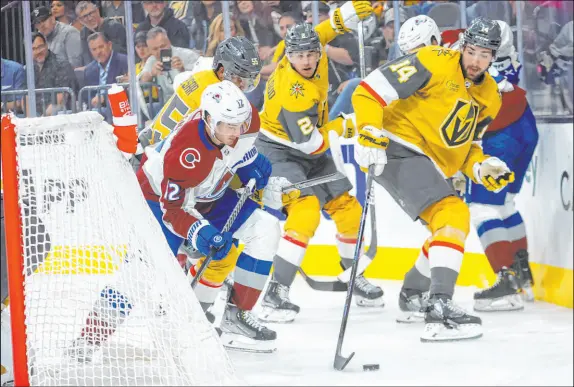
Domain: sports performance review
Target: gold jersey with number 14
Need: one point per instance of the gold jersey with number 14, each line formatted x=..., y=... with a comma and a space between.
x=187, y=98
x=424, y=102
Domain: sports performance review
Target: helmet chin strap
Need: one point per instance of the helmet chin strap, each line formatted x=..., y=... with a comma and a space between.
x=211, y=131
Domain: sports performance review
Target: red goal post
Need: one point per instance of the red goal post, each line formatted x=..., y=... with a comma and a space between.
x=96, y=296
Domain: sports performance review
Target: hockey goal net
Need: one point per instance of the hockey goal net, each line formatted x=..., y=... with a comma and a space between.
x=96, y=296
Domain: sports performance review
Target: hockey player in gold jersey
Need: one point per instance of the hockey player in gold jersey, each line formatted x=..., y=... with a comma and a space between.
x=294, y=136
x=420, y=120
x=236, y=60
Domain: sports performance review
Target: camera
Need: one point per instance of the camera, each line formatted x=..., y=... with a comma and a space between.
x=165, y=58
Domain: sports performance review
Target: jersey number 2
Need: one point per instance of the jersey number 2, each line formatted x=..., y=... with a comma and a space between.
x=404, y=70
x=305, y=125
x=172, y=191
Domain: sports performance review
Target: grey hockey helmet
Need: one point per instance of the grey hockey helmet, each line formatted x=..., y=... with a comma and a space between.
x=240, y=61
x=302, y=37
x=484, y=33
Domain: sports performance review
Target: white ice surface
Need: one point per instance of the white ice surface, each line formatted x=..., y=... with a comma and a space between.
x=530, y=347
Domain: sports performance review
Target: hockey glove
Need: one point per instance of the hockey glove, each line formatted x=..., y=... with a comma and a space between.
x=551, y=68
x=371, y=149
x=273, y=195
x=349, y=125
x=493, y=173
x=259, y=169
x=459, y=183
x=203, y=236
x=346, y=18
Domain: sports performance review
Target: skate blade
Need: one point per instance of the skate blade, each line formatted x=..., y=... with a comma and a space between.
x=7, y=378
x=411, y=317
x=502, y=304
x=242, y=343
x=439, y=332
x=272, y=315
x=365, y=302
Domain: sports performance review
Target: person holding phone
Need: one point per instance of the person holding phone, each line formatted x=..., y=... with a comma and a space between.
x=166, y=61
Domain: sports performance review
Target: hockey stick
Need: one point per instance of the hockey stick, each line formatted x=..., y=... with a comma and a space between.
x=341, y=283
x=247, y=191
x=337, y=154
x=341, y=361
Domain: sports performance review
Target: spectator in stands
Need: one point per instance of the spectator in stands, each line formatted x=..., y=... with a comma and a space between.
x=286, y=21
x=159, y=15
x=106, y=67
x=116, y=10
x=63, y=40
x=278, y=8
x=162, y=70
x=64, y=12
x=51, y=70
x=143, y=54
x=89, y=15
x=142, y=50
x=13, y=78
x=255, y=19
x=182, y=10
x=388, y=36
x=217, y=33
x=203, y=14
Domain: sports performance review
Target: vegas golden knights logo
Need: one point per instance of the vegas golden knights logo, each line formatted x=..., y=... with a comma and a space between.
x=460, y=123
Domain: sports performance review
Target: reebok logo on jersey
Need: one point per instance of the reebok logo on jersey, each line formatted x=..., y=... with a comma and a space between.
x=189, y=157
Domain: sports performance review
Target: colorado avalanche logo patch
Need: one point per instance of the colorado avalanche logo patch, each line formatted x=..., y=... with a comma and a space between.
x=189, y=157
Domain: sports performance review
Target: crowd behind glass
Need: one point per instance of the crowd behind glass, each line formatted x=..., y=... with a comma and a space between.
x=78, y=47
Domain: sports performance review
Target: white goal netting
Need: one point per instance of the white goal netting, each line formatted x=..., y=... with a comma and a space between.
x=106, y=302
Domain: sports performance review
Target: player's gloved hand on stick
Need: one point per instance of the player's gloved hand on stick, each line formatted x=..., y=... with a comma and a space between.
x=259, y=169
x=371, y=149
x=346, y=17
x=203, y=236
x=493, y=173
x=274, y=197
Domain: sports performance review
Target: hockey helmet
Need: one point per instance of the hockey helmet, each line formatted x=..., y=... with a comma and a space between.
x=417, y=31
x=240, y=59
x=302, y=37
x=485, y=33
x=225, y=102
x=507, y=40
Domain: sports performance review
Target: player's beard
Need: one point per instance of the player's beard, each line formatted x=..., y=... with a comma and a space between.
x=477, y=74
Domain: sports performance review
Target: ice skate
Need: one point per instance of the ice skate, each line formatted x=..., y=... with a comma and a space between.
x=227, y=287
x=276, y=306
x=240, y=330
x=446, y=321
x=413, y=304
x=504, y=295
x=367, y=294
x=82, y=350
x=523, y=271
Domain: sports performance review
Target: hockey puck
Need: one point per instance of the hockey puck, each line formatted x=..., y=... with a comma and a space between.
x=370, y=367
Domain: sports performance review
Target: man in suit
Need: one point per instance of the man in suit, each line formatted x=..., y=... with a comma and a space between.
x=103, y=70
